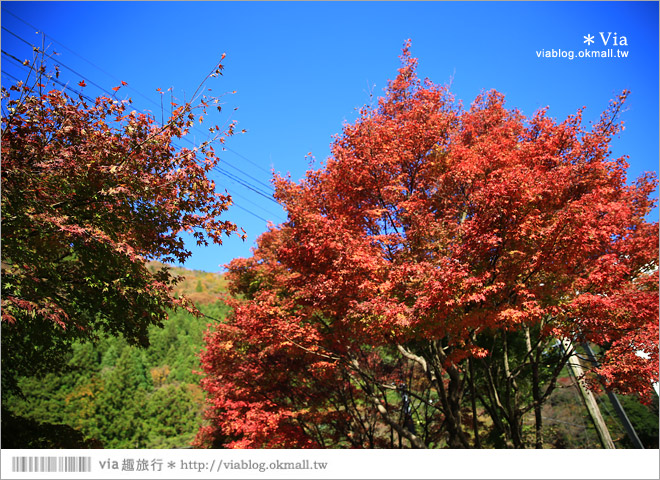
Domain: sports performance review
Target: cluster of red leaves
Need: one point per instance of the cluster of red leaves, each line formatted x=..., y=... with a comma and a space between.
x=433, y=222
x=91, y=191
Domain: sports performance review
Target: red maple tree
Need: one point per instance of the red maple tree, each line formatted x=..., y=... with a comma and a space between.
x=92, y=191
x=428, y=270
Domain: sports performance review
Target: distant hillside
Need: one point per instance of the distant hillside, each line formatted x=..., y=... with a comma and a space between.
x=114, y=395
x=199, y=286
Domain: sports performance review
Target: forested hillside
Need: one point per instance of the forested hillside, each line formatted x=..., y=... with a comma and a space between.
x=114, y=395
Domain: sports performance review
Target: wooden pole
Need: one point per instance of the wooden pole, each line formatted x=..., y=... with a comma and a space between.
x=618, y=408
x=575, y=367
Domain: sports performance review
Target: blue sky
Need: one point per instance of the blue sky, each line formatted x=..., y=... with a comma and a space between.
x=301, y=69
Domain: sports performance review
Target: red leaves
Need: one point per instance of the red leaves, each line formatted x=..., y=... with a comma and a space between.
x=445, y=231
x=116, y=89
x=92, y=192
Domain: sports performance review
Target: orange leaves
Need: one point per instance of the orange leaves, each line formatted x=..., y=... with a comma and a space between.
x=457, y=234
x=116, y=89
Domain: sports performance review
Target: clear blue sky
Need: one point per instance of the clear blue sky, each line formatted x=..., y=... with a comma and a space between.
x=301, y=69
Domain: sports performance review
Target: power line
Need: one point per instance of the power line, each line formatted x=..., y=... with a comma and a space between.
x=250, y=212
x=74, y=53
x=117, y=79
x=49, y=77
x=10, y=76
x=249, y=176
x=247, y=160
x=242, y=182
x=245, y=183
x=64, y=65
x=91, y=100
x=20, y=38
x=235, y=194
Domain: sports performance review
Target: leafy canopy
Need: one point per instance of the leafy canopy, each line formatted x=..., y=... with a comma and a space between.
x=91, y=191
x=428, y=270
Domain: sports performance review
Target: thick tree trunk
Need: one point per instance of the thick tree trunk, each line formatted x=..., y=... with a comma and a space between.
x=450, y=398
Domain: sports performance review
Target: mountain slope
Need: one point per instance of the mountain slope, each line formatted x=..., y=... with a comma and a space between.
x=114, y=395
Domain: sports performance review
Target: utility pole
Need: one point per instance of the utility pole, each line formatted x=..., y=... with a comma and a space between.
x=618, y=408
x=588, y=398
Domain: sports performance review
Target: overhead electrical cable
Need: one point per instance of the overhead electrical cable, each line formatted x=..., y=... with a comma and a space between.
x=76, y=54
x=114, y=96
x=261, y=207
x=246, y=185
x=91, y=100
x=250, y=212
x=118, y=80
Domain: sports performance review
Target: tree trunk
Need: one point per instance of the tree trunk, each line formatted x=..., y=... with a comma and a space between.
x=450, y=398
x=475, y=421
x=536, y=392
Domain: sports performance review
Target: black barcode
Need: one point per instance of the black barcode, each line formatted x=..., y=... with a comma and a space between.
x=51, y=464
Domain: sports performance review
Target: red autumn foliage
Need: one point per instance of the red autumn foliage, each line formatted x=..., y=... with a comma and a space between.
x=433, y=262
x=91, y=191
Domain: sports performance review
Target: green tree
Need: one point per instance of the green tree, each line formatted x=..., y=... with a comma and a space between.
x=644, y=419
x=172, y=415
x=120, y=407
